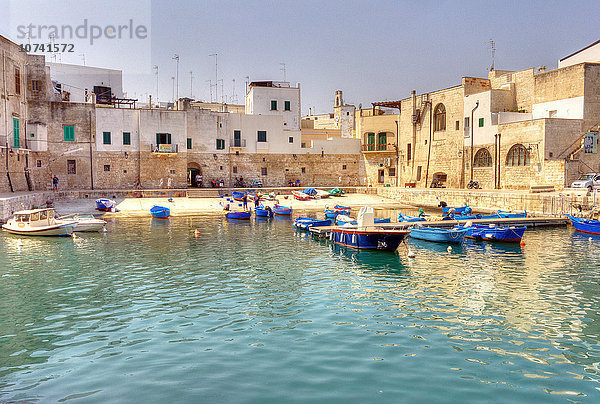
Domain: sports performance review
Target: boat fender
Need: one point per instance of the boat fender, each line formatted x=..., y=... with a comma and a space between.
x=410, y=254
x=19, y=243
x=523, y=243
x=75, y=236
x=104, y=230
x=449, y=248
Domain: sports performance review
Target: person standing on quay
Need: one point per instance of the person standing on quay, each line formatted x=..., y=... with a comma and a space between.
x=245, y=201
x=55, y=183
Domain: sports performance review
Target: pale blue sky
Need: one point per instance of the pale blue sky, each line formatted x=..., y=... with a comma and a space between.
x=373, y=51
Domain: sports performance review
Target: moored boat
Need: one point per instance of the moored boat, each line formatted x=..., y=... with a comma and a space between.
x=322, y=194
x=238, y=214
x=495, y=233
x=330, y=213
x=510, y=215
x=457, y=210
x=344, y=219
x=585, y=225
x=105, y=204
x=282, y=210
x=342, y=210
x=407, y=218
x=305, y=223
x=311, y=192
x=301, y=196
x=336, y=192
x=263, y=211
x=86, y=222
x=436, y=234
x=160, y=212
x=237, y=195
x=39, y=222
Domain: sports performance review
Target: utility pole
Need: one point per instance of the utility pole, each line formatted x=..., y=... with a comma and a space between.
x=176, y=57
x=210, y=89
x=222, y=95
x=493, y=48
x=173, y=96
x=191, y=84
x=155, y=67
x=216, y=55
x=283, y=70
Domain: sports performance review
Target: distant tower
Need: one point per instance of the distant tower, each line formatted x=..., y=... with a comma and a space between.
x=339, y=101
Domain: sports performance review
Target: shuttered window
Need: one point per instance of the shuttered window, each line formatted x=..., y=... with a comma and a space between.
x=106, y=137
x=69, y=133
x=126, y=138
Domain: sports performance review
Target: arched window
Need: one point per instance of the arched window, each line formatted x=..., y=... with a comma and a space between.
x=482, y=158
x=439, y=117
x=518, y=155
x=381, y=141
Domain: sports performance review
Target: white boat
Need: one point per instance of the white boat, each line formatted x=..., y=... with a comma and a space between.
x=86, y=222
x=322, y=194
x=39, y=222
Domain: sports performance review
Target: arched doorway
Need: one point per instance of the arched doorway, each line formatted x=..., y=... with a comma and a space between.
x=194, y=175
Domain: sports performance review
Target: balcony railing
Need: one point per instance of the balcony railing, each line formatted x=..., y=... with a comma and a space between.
x=164, y=148
x=379, y=147
x=238, y=143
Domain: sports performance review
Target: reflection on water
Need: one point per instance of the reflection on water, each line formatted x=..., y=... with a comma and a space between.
x=257, y=311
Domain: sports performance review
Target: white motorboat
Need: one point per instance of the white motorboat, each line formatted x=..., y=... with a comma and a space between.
x=39, y=222
x=322, y=194
x=86, y=222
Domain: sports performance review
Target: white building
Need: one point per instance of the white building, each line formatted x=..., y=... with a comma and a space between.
x=590, y=53
x=73, y=82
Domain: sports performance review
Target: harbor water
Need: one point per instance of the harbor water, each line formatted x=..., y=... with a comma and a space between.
x=258, y=312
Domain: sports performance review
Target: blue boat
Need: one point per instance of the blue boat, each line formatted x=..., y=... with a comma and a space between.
x=438, y=235
x=305, y=223
x=510, y=215
x=105, y=204
x=282, y=210
x=237, y=195
x=310, y=191
x=471, y=217
x=341, y=220
x=263, y=211
x=457, y=210
x=238, y=214
x=406, y=218
x=493, y=233
x=330, y=214
x=160, y=212
x=371, y=239
x=585, y=225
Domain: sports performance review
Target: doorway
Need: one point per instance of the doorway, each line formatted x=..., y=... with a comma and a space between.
x=381, y=176
x=194, y=175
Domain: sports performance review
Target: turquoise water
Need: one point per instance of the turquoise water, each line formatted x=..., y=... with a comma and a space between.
x=255, y=312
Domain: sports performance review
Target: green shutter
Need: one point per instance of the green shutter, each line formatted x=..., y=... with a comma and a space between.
x=106, y=137
x=157, y=139
x=287, y=105
x=126, y=138
x=69, y=133
x=481, y=122
x=382, y=141
x=189, y=143
x=273, y=105
x=370, y=141
x=16, y=139
x=168, y=138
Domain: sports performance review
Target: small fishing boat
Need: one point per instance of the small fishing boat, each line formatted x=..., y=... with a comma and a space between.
x=344, y=219
x=39, y=222
x=252, y=195
x=322, y=194
x=237, y=195
x=457, y=210
x=301, y=196
x=366, y=235
x=438, y=235
x=85, y=222
x=282, y=210
x=493, y=233
x=311, y=192
x=407, y=218
x=330, y=214
x=585, y=225
x=160, y=212
x=238, y=214
x=510, y=215
x=263, y=211
x=305, y=223
x=105, y=204
x=336, y=192
x=471, y=217
x=342, y=210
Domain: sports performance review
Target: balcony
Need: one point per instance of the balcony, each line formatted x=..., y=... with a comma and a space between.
x=237, y=143
x=164, y=148
x=380, y=147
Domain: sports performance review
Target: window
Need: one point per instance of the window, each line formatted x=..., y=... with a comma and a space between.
x=347, y=113
x=457, y=125
x=172, y=171
x=35, y=86
x=106, y=137
x=17, y=81
x=408, y=152
x=126, y=138
x=370, y=141
x=189, y=143
x=518, y=155
x=71, y=167
x=39, y=163
x=381, y=141
x=344, y=166
x=263, y=171
x=482, y=158
x=273, y=105
x=220, y=144
x=287, y=105
x=163, y=138
x=467, y=119
x=106, y=167
x=262, y=136
x=234, y=170
x=237, y=138
x=481, y=122
x=392, y=171
x=303, y=170
x=439, y=117
x=419, y=173
x=381, y=176
x=291, y=139
x=16, y=138
x=69, y=133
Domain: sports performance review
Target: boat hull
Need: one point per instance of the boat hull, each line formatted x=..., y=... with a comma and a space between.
x=439, y=235
x=160, y=212
x=369, y=239
x=457, y=210
x=263, y=212
x=237, y=195
x=301, y=196
x=282, y=210
x=504, y=234
x=585, y=225
x=244, y=215
x=405, y=218
x=305, y=223
x=105, y=205
x=63, y=229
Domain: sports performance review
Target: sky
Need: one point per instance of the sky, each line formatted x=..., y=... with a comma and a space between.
x=372, y=50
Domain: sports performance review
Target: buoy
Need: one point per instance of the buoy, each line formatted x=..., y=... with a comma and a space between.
x=75, y=236
x=449, y=248
x=410, y=253
x=196, y=233
x=19, y=243
x=590, y=239
x=104, y=230
x=522, y=243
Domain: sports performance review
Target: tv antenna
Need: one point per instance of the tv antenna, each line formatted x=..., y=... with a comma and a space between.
x=493, y=48
x=283, y=70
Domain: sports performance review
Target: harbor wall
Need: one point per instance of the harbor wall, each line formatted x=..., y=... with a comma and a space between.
x=485, y=200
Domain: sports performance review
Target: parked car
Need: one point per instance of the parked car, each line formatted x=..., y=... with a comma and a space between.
x=589, y=181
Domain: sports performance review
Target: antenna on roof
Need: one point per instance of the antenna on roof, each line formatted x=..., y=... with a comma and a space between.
x=283, y=70
x=493, y=48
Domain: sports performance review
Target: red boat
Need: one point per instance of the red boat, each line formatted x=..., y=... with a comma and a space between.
x=301, y=196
